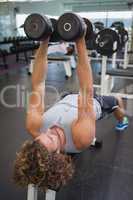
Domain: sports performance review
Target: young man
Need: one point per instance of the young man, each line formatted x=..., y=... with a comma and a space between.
x=69, y=126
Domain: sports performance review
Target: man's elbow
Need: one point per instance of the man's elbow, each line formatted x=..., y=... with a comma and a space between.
x=29, y=124
x=31, y=131
x=28, y=127
x=84, y=144
x=33, y=124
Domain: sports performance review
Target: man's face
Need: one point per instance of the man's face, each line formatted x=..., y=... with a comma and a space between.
x=53, y=139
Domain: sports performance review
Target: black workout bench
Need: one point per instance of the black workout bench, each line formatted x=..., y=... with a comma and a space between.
x=63, y=59
x=121, y=73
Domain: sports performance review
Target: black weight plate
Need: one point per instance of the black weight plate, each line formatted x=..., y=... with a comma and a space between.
x=69, y=26
x=108, y=42
x=89, y=30
x=105, y=38
x=55, y=35
x=110, y=36
x=108, y=47
x=90, y=44
x=36, y=27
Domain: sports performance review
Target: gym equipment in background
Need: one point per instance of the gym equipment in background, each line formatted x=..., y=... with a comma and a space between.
x=105, y=40
x=98, y=26
x=123, y=33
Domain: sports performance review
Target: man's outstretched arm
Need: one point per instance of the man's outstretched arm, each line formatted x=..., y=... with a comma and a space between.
x=83, y=127
x=36, y=99
x=84, y=72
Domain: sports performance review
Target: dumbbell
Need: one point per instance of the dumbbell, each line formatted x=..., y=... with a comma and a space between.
x=98, y=26
x=9, y=39
x=13, y=38
x=55, y=36
x=105, y=40
x=123, y=33
x=89, y=31
x=118, y=25
x=38, y=27
x=18, y=38
x=25, y=38
x=5, y=39
x=124, y=36
x=71, y=26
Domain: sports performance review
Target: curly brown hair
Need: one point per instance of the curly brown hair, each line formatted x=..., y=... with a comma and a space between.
x=35, y=165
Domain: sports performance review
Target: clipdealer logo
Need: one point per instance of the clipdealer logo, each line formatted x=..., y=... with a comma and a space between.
x=22, y=96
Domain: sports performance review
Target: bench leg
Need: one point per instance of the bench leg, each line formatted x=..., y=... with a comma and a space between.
x=17, y=57
x=108, y=84
x=32, y=192
x=125, y=56
x=50, y=195
x=114, y=60
x=31, y=67
x=103, y=75
x=4, y=62
x=26, y=57
x=67, y=69
x=72, y=62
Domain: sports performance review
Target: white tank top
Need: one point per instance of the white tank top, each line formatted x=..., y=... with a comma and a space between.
x=62, y=114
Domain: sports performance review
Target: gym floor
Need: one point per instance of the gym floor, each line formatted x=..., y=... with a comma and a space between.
x=105, y=174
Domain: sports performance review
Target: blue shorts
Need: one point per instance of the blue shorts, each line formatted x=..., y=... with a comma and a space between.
x=108, y=104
